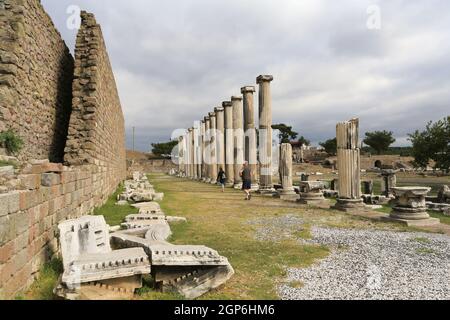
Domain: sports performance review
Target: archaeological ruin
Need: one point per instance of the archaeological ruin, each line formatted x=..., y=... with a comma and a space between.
x=169, y=230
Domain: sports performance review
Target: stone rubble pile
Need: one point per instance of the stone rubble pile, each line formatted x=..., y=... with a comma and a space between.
x=139, y=190
x=143, y=248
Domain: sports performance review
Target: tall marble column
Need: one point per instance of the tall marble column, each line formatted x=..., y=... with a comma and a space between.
x=220, y=137
x=238, y=132
x=180, y=156
x=213, y=147
x=250, y=144
x=199, y=150
x=202, y=134
x=195, y=135
x=185, y=155
x=188, y=153
x=207, y=157
x=287, y=192
x=265, y=134
x=191, y=153
x=229, y=143
x=349, y=166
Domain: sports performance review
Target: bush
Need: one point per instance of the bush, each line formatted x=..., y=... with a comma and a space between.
x=11, y=141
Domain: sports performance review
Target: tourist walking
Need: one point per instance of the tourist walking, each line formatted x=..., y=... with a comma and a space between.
x=246, y=176
x=221, y=177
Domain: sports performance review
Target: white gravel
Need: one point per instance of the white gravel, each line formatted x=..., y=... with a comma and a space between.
x=372, y=264
x=276, y=229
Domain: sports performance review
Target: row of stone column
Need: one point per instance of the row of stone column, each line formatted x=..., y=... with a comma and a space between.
x=226, y=138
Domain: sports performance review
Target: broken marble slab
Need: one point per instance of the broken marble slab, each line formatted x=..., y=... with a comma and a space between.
x=115, y=264
x=155, y=229
x=196, y=282
x=162, y=253
x=87, y=255
x=147, y=217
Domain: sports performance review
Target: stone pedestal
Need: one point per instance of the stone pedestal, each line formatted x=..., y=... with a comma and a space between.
x=349, y=166
x=250, y=143
x=229, y=143
x=265, y=134
x=410, y=207
x=238, y=131
x=311, y=193
x=213, y=147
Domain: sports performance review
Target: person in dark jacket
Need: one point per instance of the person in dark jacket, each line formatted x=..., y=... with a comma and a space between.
x=221, y=179
x=246, y=176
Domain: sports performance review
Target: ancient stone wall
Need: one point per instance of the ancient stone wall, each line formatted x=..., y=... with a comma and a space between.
x=49, y=193
x=96, y=130
x=36, y=71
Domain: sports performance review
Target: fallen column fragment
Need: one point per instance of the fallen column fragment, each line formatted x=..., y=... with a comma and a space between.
x=88, y=257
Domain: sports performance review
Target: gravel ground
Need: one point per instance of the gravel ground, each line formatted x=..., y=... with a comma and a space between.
x=276, y=229
x=372, y=264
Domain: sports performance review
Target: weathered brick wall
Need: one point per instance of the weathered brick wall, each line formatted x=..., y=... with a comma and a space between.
x=36, y=70
x=43, y=194
x=49, y=193
x=96, y=129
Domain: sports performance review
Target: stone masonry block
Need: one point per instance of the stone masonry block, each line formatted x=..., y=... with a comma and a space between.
x=6, y=252
x=50, y=179
x=6, y=225
x=9, y=203
x=40, y=168
x=30, y=181
x=29, y=199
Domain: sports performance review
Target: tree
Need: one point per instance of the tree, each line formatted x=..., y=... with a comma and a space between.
x=286, y=134
x=379, y=140
x=163, y=148
x=330, y=146
x=432, y=144
x=303, y=141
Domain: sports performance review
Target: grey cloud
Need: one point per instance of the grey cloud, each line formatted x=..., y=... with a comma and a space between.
x=175, y=61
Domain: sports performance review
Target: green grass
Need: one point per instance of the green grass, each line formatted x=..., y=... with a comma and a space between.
x=115, y=215
x=386, y=209
x=422, y=240
x=444, y=219
x=425, y=251
x=42, y=288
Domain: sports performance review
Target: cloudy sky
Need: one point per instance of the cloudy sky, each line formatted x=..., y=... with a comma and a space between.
x=174, y=61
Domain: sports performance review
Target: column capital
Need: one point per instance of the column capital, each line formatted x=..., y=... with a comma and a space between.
x=218, y=109
x=206, y=118
x=264, y=78
x=248, y=89
x=236, y=98
x=226, y=104
x=212, y=115
x=191, y=129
